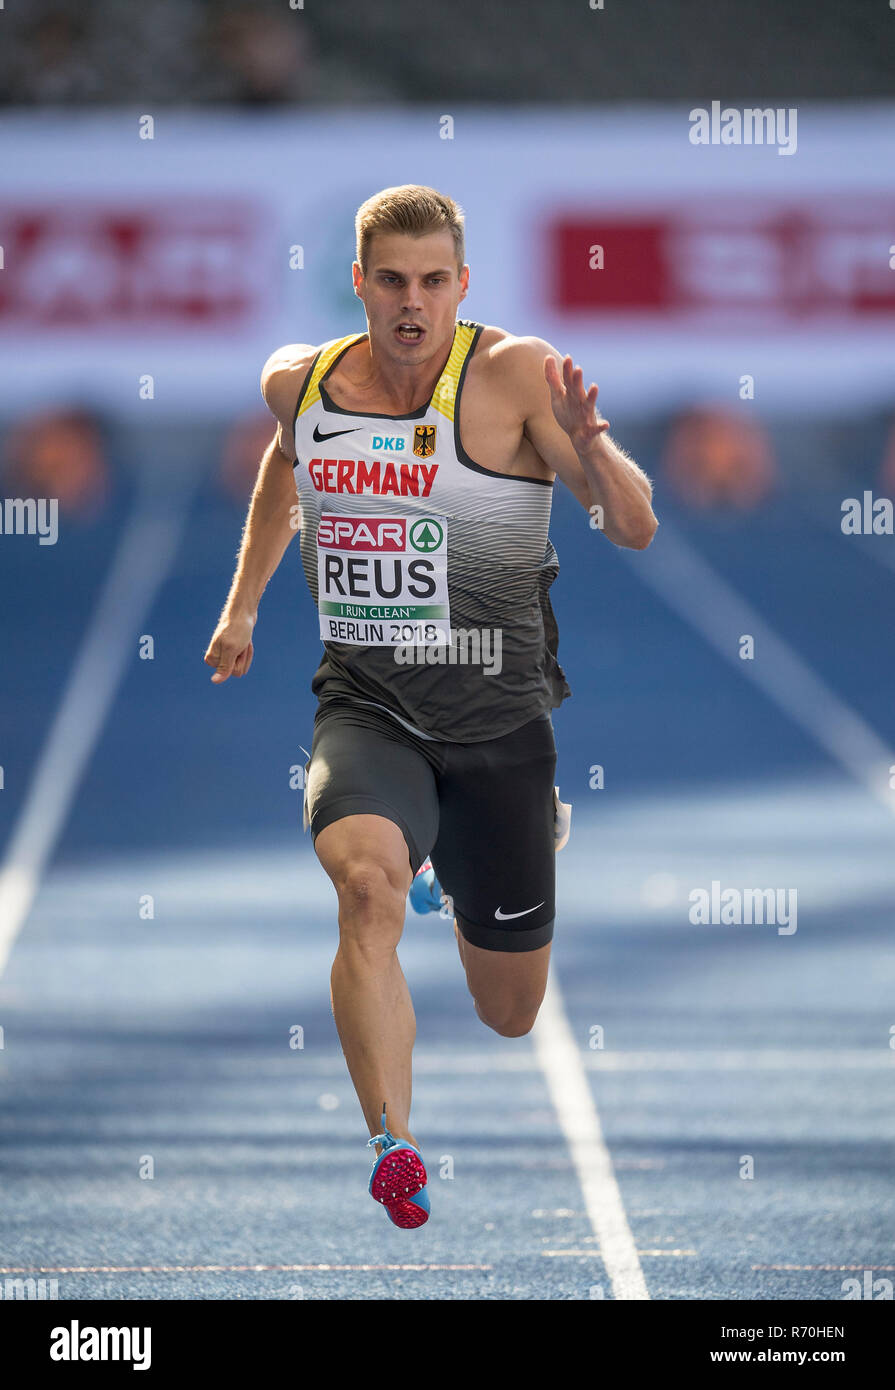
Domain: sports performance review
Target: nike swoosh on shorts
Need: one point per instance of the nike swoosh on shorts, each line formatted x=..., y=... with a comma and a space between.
x=504, y=916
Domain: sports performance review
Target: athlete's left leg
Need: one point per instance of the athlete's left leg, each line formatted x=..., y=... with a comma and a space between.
x=507, y=987
x=495, y=858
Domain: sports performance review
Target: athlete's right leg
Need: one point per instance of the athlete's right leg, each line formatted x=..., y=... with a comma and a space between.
x=372, y=807
x=366, y=858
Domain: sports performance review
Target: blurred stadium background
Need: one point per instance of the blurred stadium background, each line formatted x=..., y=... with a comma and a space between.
x=180, y=182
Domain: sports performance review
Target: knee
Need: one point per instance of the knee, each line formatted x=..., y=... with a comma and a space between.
x=516, y=1025
x=369, y=897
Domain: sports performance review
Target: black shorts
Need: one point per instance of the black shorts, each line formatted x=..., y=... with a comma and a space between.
x=483, y=813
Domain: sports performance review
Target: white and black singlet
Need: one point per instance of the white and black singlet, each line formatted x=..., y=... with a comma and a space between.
x=408, y=543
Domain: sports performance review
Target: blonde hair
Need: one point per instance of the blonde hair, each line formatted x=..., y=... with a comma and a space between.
x=413, y=209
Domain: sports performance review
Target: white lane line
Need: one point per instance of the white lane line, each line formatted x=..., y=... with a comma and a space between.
x=561, y=1063
x=690, y=586
x=142, y=560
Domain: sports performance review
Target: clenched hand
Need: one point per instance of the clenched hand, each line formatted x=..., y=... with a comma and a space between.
x=230, y=650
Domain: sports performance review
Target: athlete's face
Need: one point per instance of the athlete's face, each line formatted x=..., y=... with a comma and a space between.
x=411, y=283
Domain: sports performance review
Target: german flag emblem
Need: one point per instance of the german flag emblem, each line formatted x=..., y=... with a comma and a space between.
x=424, y=440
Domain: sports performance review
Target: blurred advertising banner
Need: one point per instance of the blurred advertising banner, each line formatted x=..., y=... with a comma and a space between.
x=672, y=271
x=98, y=266
x=763, y=260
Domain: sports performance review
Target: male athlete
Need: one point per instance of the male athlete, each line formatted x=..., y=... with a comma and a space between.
x=423, y=455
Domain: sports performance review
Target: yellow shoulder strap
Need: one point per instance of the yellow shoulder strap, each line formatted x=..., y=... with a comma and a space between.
x=445, y=396
x=328, y=354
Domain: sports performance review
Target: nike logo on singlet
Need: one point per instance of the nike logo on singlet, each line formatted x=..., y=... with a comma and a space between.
x=505, y=916
x=332, y=434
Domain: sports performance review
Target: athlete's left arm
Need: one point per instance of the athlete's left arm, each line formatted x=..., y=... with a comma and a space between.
x=565, y=426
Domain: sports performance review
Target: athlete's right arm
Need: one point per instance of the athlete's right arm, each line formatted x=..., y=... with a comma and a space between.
x=272, y=521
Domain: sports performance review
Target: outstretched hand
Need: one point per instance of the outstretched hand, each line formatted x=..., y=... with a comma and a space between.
x=574, y=409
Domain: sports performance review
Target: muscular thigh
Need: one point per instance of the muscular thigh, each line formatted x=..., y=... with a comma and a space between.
x=495, y=852
x=369, y=787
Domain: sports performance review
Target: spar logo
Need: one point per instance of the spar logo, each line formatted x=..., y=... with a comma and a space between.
x=426, y=535
x=371, y=533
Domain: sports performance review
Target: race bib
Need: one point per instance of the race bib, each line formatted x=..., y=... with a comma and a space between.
x=382, y=580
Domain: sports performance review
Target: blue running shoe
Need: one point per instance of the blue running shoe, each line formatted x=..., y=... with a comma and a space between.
x=399, y=1179
x=425, y=890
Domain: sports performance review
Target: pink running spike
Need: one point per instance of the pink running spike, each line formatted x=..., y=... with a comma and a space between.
x=403, y=1212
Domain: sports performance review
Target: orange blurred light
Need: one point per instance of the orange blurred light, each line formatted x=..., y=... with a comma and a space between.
x=59, y=455
x=715, y=457
x=246, y=442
